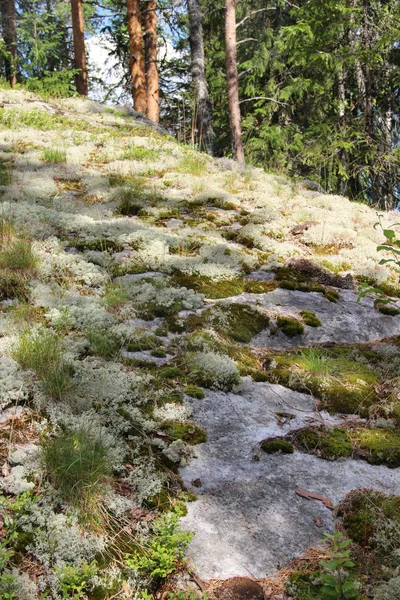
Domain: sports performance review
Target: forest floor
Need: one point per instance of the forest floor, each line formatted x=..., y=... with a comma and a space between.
x=183, y=351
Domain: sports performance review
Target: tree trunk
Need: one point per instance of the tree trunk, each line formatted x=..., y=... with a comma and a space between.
x=205, y=130
x=232, y=80
x=78, y=30
x=136, y=55
x=9, y=27
x=150, y=40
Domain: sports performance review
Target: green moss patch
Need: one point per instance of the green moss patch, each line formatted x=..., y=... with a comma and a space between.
x=143, y=341
x=389, y=310
x=188, y=432
x=341, y=383
x=238, y=321
x=290, y=326
x=277, y=446
x=310, y=318
x=259, y=287
x=223, y=288
x=194, y=392
x=364, y=513
x=329, y=444
x=376, y=446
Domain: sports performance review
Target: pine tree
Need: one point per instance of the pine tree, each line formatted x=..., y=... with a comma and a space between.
x=232, y=81
x=205, y=131
x=9, y=29
x=137, y=66
x=78, y=28
x=152, y=85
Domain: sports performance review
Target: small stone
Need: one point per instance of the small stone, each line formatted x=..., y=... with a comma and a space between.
x=197, y=483
x=239, y=588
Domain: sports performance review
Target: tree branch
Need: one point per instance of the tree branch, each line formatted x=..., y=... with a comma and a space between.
x=246, y=40
x=263, y=98
x=251, y=14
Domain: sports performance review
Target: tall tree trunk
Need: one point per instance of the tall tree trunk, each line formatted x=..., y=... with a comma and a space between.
x=9, y=27
x=150, y=40
x=232, y=80
x=78, y=30
x=204, y=124
x=136, y=54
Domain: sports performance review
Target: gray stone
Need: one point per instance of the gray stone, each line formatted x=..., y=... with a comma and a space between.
x=248, y=517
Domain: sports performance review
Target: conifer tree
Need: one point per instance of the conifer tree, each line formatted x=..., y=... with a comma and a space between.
x=232, y=81
x=152, y=84
x=137, y=65
x=9, y=29
x=78, y=29
x=202, y=108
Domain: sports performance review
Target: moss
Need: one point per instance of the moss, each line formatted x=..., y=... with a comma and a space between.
x=171, y=373
x=365, y=512
x=238, y=321
x=194, y=392
x=342, y=384
x=146, y=341
x=290, y=326
x=310, y=318
x=329, y=444
x=223, y=288
x=100, y=244
x=332, y=296
x=300, y=585
x=13, y=286
x=158, y=353
x=188, y=432
x=288, y=284
x=260, y=287
x=379, y=446
x=389, y=310
x=277, y=445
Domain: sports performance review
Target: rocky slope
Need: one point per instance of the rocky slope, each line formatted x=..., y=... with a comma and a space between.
x=193, y=327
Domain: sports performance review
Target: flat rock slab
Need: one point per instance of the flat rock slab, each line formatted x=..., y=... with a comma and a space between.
x=346, y=321
x=248, y=517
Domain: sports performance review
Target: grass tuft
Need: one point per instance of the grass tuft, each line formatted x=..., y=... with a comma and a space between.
x=54, y=155
x=77, y=463
x=41, y=351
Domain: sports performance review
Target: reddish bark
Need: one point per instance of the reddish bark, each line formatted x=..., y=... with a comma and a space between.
x=9, y=27
x=152, y=86
x=136, y=54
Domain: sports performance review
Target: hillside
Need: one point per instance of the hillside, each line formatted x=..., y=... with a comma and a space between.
x=173, y=327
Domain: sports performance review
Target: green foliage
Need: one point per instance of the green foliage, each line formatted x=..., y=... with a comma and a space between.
x=392, y=247
x=17, y=255
x=58, y=84
x=102, y=342
x=74, y=580
x=13, y=285
x=193, y=164
x=77, y=463
x=54, y=155
x=337, y=581
x=166, y=550
x=40, y=350
x=11, y=511
x=139, y=153
x=211, y=288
